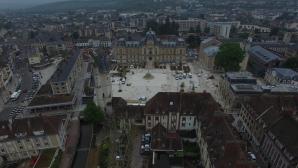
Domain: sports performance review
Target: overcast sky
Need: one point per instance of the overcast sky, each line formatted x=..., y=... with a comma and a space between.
x=23, y=3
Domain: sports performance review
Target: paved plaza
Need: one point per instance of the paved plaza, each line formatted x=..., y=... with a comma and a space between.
x=164, y=80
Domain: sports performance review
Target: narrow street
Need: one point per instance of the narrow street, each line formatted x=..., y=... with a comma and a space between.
x=83, y=148
x=137, y=158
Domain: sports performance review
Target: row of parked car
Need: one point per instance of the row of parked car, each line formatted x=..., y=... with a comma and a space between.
x=146, y=143
x=35, y=84
x=181, y=76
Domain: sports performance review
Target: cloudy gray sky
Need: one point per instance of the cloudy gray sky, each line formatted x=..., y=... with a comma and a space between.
x=13, y=4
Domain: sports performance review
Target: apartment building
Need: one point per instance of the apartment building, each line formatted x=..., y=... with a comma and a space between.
x=25, y=138
x=221, y=29
x=260, y=29
x=63, y=80
x=191, y=23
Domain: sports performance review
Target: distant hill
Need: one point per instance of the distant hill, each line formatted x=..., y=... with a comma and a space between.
x=103, y=4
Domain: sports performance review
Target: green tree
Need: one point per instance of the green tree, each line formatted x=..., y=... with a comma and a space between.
x=229, y=56
x=93, y=113
x=193, y=41
x=291, y=63
x=75, y=35
x=274, y=31
x=168, y=28
x=244, y=35
x=192, y=30
x=234, y=30
x=198, y=29
x=207, y=30
x=153, y=25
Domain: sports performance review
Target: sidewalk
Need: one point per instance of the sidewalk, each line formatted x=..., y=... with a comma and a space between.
x=103, y=89
x=71, y=143
x=93, y=157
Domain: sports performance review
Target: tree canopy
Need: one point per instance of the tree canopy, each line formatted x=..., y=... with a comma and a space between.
x=168, y=28
x=274, y=31
x=193, y=41
x=229, y=57
x=75, y=35
x=93, y=113
x=291, y=63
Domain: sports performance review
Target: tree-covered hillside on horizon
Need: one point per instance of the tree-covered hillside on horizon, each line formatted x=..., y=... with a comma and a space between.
x=104, y=4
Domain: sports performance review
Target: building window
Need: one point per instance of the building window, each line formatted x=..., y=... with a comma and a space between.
x=149, y=118
x=156, y=118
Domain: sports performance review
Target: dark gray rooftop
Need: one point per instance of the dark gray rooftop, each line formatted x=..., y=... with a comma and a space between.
x=246, y=88
x=264, y=55
x=65, y=67
x=240, y=77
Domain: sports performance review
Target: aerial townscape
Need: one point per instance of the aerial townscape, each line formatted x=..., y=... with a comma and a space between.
x=148, y=84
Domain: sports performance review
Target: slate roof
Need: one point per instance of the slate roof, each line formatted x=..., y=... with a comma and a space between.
x=285, y=130
x=48, y=124
x=185, y=103
x=225, y=149
x=65, y=67
x=264, y=55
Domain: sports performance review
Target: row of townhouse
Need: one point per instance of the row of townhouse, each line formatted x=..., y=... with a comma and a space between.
x=269, y=124
x=25, y=138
